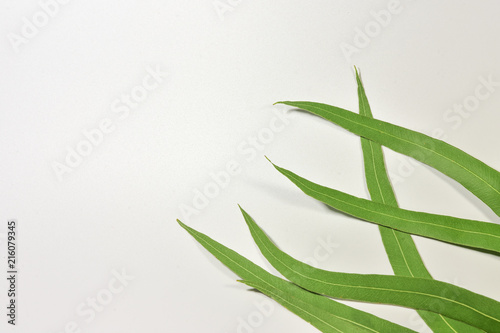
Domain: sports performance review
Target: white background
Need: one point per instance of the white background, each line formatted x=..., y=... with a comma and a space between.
x=116, y=210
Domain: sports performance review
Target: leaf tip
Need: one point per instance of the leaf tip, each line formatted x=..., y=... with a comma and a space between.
x=245, y=214
x=358, y=77
x=267, y=158
x=274, y=165
x=290, y=103
x=246, y=282
x=184, y=226
x=241, y=209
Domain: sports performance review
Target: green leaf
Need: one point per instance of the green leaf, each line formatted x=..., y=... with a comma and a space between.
x=377, y=181
x=479, y=178
x=470, y=233
x=318, y=310
x=417, y=293
x=323, y=313
x=400, y=247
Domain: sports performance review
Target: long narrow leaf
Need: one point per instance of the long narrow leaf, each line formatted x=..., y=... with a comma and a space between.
x=323, y=313
x=470, y=233
x=317, y=309
x=400, y=247
x=479, y=178
x=417, y=293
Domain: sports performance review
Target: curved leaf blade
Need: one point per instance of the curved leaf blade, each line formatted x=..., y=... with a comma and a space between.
x=470, y=233
x=400, y=247
x=417, y=293
x=476, y=176
x=323, y=313
x=401, y=250
x=314, y=308
x=377, y=181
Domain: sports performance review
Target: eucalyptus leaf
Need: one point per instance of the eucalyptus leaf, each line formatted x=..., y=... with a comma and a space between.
x=400, y=247
x=318, y=310
x=444, y=307
x=417, y=293
x=470, y=233
x=476, y=176
x=323, y=313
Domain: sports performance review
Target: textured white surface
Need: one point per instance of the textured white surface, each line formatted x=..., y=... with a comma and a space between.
x=116, y=210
